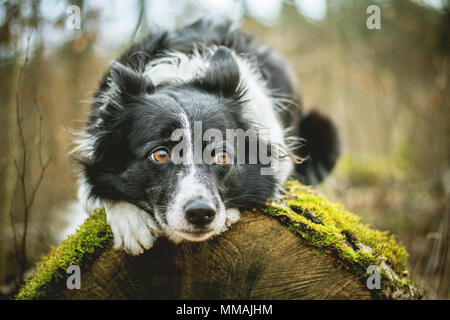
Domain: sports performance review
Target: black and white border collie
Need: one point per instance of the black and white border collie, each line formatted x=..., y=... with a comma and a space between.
x=208, y=77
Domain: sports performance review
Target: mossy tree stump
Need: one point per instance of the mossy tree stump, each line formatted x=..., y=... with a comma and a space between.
x=302, y=248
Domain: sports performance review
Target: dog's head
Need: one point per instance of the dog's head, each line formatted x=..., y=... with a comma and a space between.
x=165, y=148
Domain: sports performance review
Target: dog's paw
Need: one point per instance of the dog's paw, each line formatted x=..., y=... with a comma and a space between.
x=133, y=228
x=232, y=216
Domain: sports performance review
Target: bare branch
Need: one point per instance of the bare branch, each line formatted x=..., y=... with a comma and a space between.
x=38, y=183
x=11, y=215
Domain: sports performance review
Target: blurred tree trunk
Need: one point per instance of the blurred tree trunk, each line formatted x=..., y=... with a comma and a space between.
x=8, y=171
x=9, y=90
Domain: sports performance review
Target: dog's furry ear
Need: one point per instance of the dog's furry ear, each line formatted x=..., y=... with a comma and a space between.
x=129, y=81
x=322, y=148
x=222, y=75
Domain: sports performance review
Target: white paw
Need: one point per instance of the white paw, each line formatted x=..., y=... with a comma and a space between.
x=134, y=230
x=232, y=215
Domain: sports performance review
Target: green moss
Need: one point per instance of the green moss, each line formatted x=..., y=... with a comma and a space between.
x=333, y=230
x=93, y=235
x=323, y=225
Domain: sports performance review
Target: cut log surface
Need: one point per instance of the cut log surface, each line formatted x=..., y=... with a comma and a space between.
x=257, y=259
x=301, y=248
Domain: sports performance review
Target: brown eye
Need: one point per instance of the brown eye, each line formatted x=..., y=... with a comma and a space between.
x=160, y=155
x=221, y=157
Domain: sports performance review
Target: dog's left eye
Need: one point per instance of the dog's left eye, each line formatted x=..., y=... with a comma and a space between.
x=160, y=155
x=221, y=157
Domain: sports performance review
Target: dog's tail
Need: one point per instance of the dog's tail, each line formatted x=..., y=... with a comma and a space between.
x=321, y=148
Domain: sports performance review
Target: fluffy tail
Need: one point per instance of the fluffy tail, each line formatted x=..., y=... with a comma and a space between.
x=321, y=147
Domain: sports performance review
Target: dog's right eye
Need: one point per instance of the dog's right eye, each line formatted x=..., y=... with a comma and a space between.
x=160, y=156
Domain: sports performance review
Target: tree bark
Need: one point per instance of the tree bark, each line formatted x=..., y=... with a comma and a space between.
x=257, y=258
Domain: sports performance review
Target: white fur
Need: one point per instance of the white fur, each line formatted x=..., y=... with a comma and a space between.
x=233, y=215
x=88, y=204
x=72, y=216
x=262, y=109
x=175, y=67
x=134, y=230
x=84, y=144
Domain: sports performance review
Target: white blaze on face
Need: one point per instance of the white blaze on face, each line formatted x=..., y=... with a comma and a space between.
x=188, y=188
x=191, y=185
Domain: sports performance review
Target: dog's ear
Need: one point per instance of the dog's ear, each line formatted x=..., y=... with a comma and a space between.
x=129, y=81
x=222, y=75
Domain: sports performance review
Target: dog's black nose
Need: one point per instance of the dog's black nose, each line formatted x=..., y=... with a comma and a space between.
x=199, y=212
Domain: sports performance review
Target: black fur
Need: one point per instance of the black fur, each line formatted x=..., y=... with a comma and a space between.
x=223, y=75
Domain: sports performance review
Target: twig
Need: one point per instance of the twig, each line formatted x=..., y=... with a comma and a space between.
x=11, y=215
